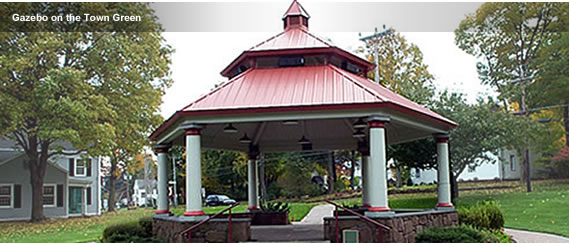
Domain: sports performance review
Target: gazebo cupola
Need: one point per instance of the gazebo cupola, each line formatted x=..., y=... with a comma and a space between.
x=297, y=92
x=294, y=47
x=296, y=17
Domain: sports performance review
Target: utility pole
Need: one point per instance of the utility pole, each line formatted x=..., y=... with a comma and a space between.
x=524, y=111
x=372, y=42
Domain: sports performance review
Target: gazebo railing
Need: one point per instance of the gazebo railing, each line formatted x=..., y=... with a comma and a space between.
x=188, y=231
x=380, y=226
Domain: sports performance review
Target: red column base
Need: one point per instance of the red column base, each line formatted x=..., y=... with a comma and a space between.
x=379, y=209
x=366, y=205
x=444, y=205
x=194, y=213
x=162, y=211
x=252, y=208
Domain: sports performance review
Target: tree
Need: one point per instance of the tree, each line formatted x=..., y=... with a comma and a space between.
x=483, y=130
x=552, y=86
x=97, y=90
x=225, y=172
x=401, y=69
x=508, y=37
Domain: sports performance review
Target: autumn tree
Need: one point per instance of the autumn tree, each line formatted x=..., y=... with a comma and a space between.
x=401, y=69
x=98, y=90
x=507, y=38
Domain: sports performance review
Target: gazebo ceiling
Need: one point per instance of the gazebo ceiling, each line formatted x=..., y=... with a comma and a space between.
x=298, y=76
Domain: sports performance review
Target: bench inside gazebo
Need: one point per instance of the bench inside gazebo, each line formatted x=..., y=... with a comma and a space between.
x=297, y=92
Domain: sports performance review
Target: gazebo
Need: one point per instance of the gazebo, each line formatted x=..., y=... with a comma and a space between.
x=298, y=92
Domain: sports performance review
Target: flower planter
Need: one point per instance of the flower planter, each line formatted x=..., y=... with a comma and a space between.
x=270, y=218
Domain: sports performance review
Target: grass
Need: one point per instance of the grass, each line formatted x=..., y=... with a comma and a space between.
x=91, y=229
x=544, y=210
x=67, y=230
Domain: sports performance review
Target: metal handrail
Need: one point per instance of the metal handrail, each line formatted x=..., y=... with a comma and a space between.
x=229, y=233
x=380, y=226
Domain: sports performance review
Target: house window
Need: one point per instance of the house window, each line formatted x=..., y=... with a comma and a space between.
x=417, y=172
x=80, y=165
x=5, y=196
x=49, y=195
x=512, y=162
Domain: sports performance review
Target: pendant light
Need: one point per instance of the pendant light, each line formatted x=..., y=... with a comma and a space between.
x=229, y=129
x=359, y=124
x=359, y=133
x=303, y=140
x=245, y=139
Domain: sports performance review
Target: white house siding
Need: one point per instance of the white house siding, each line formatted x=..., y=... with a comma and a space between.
x=16, y=172
x=510, y=172
x=486, y=171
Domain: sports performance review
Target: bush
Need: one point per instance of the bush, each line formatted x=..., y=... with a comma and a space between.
x=484, y=215
x=463, y=234
x=140, y=231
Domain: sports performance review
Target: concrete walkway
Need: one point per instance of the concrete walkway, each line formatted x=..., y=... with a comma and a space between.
x=317, y=214
x=522, y=236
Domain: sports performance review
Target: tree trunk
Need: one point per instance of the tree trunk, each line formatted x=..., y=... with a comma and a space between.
x=566, y=123
x=453, y=187
x=112, y=183
x=36, y=180
x=262, y=184
x=331, y=173
x=37, y=162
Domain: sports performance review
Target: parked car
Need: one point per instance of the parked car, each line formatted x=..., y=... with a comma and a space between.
x=216, y=200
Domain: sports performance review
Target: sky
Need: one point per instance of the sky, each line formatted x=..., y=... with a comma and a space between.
x=200, y=56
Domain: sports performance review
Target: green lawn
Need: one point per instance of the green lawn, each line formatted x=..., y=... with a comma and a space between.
x=91, y=229
x=66, y=230
x=545, y=210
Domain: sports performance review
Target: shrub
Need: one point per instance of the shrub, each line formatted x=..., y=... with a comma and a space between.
x=140, y=231
x=146, y=226
x=463, y=234
x=484, y=215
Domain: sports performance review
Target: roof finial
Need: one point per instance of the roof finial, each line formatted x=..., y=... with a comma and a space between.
x=296, y=16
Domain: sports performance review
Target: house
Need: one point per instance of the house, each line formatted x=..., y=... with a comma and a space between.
x=511, y=165
x=507, y=167
x=141, y=197
x=71, y=184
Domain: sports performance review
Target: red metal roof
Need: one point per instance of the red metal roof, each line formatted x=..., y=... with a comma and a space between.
x=301, y=87
x=293, y=38
x=296, y=9
x=285, y=89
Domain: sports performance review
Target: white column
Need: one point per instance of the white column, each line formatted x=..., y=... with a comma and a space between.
x=444, y=197
x=377, y=164
x=162, y=207
x=193, y=173
x=253, y=196
x=365, y=179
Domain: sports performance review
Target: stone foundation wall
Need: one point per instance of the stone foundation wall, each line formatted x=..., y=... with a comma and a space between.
x=404, y=225
x=214, y=231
